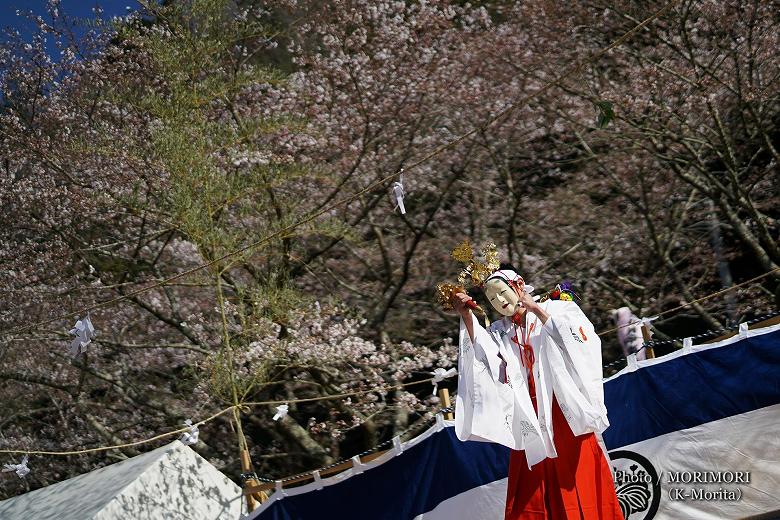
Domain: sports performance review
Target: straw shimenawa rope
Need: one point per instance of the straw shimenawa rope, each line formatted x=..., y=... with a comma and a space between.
x=697, y=300
x=210, y=418
x=333, y=396
x=327, y=397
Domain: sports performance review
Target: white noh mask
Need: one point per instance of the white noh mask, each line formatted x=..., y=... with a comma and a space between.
x=502, y=295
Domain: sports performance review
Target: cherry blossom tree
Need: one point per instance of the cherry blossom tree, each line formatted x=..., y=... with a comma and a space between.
x=185, y=133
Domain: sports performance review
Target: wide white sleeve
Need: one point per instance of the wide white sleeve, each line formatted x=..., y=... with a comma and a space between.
x=484, y=406
x=576, y=364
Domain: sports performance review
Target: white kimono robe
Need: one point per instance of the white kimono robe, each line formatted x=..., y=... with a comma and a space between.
x=567, y=354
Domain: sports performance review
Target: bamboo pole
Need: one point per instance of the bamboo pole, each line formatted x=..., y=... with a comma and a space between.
x=444, y=398
x=246, y=467
x=649, y=352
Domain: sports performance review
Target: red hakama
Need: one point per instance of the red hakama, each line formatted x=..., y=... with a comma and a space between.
x=576, y=485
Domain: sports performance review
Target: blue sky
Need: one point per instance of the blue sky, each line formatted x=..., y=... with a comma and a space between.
x=73, y=8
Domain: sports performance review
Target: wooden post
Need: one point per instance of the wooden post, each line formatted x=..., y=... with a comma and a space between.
x=444, y=398
x=649, y=352
x=246, y=467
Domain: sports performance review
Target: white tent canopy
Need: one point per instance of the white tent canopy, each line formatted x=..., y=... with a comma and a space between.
x=171, y=482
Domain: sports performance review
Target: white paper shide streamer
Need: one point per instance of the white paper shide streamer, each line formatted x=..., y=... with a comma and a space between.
x=20, y=469
x=84, y=332
x=281, y=411
x=191, y=437
x=398, y=193
x=440, y=375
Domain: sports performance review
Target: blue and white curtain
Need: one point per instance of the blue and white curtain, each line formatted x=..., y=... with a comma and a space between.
x=695, y=434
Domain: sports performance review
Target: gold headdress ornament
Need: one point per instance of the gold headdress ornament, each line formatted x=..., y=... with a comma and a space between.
x=478, y=268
